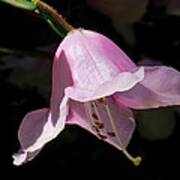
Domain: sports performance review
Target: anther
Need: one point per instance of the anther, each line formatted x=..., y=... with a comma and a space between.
x=112, y=134
x=102, y=101
x=99, y=125
x=96, y=129
x=135, y=160
x=95, y=116
x=101, y=136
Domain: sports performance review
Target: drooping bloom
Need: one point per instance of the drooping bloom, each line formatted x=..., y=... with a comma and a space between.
x=94, y=85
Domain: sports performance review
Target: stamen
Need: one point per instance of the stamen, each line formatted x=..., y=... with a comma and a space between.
x=136, y=161
x=95, y=116
x=95, y=119
x=96, y=129
x=100, y=123
x=101, y=136
x=97, y=125
x=88, y=112
x=102, y=100
x=112, y=122
x=112, y=134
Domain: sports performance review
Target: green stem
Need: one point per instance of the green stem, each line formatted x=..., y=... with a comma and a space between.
x=54, y=19
x=54, y=28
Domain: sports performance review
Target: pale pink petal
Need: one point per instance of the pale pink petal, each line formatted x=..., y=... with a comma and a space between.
x=37, y=129
x=78, y=116
x=23, y=157
x=41, y=126
x=160, y=87
x=30, y=130
x=93, y=58
x=61, y=78
x=106, y=50
x=32, y=127
x=82, y=115
x=123, y=121
x=122, y=82
x=98, y=69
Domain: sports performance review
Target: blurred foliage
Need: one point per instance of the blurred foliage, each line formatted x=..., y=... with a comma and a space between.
x=24, y=4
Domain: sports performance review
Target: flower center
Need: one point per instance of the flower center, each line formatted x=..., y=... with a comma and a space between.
x=99, y=126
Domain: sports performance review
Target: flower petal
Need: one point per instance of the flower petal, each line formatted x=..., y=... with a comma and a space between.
x=23, y=157
x=32, y=127
x=41, y=126
x=122, y=119
x=160, y=87
x=78, y=116
x=30, y=130
x=37, y=129
x=61, y=78
x=122, y=82
x=93, y=58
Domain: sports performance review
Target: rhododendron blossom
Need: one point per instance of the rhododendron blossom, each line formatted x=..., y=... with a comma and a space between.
x=94, y=85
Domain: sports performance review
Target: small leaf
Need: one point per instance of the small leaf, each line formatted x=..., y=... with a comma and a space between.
x=24, y=4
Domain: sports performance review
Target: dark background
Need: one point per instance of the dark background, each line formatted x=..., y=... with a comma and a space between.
x=76, y=153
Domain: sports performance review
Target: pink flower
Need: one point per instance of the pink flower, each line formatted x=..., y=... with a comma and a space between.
x=94, y=85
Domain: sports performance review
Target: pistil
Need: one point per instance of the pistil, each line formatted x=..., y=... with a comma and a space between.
x=98, y=126
x=135, y=160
